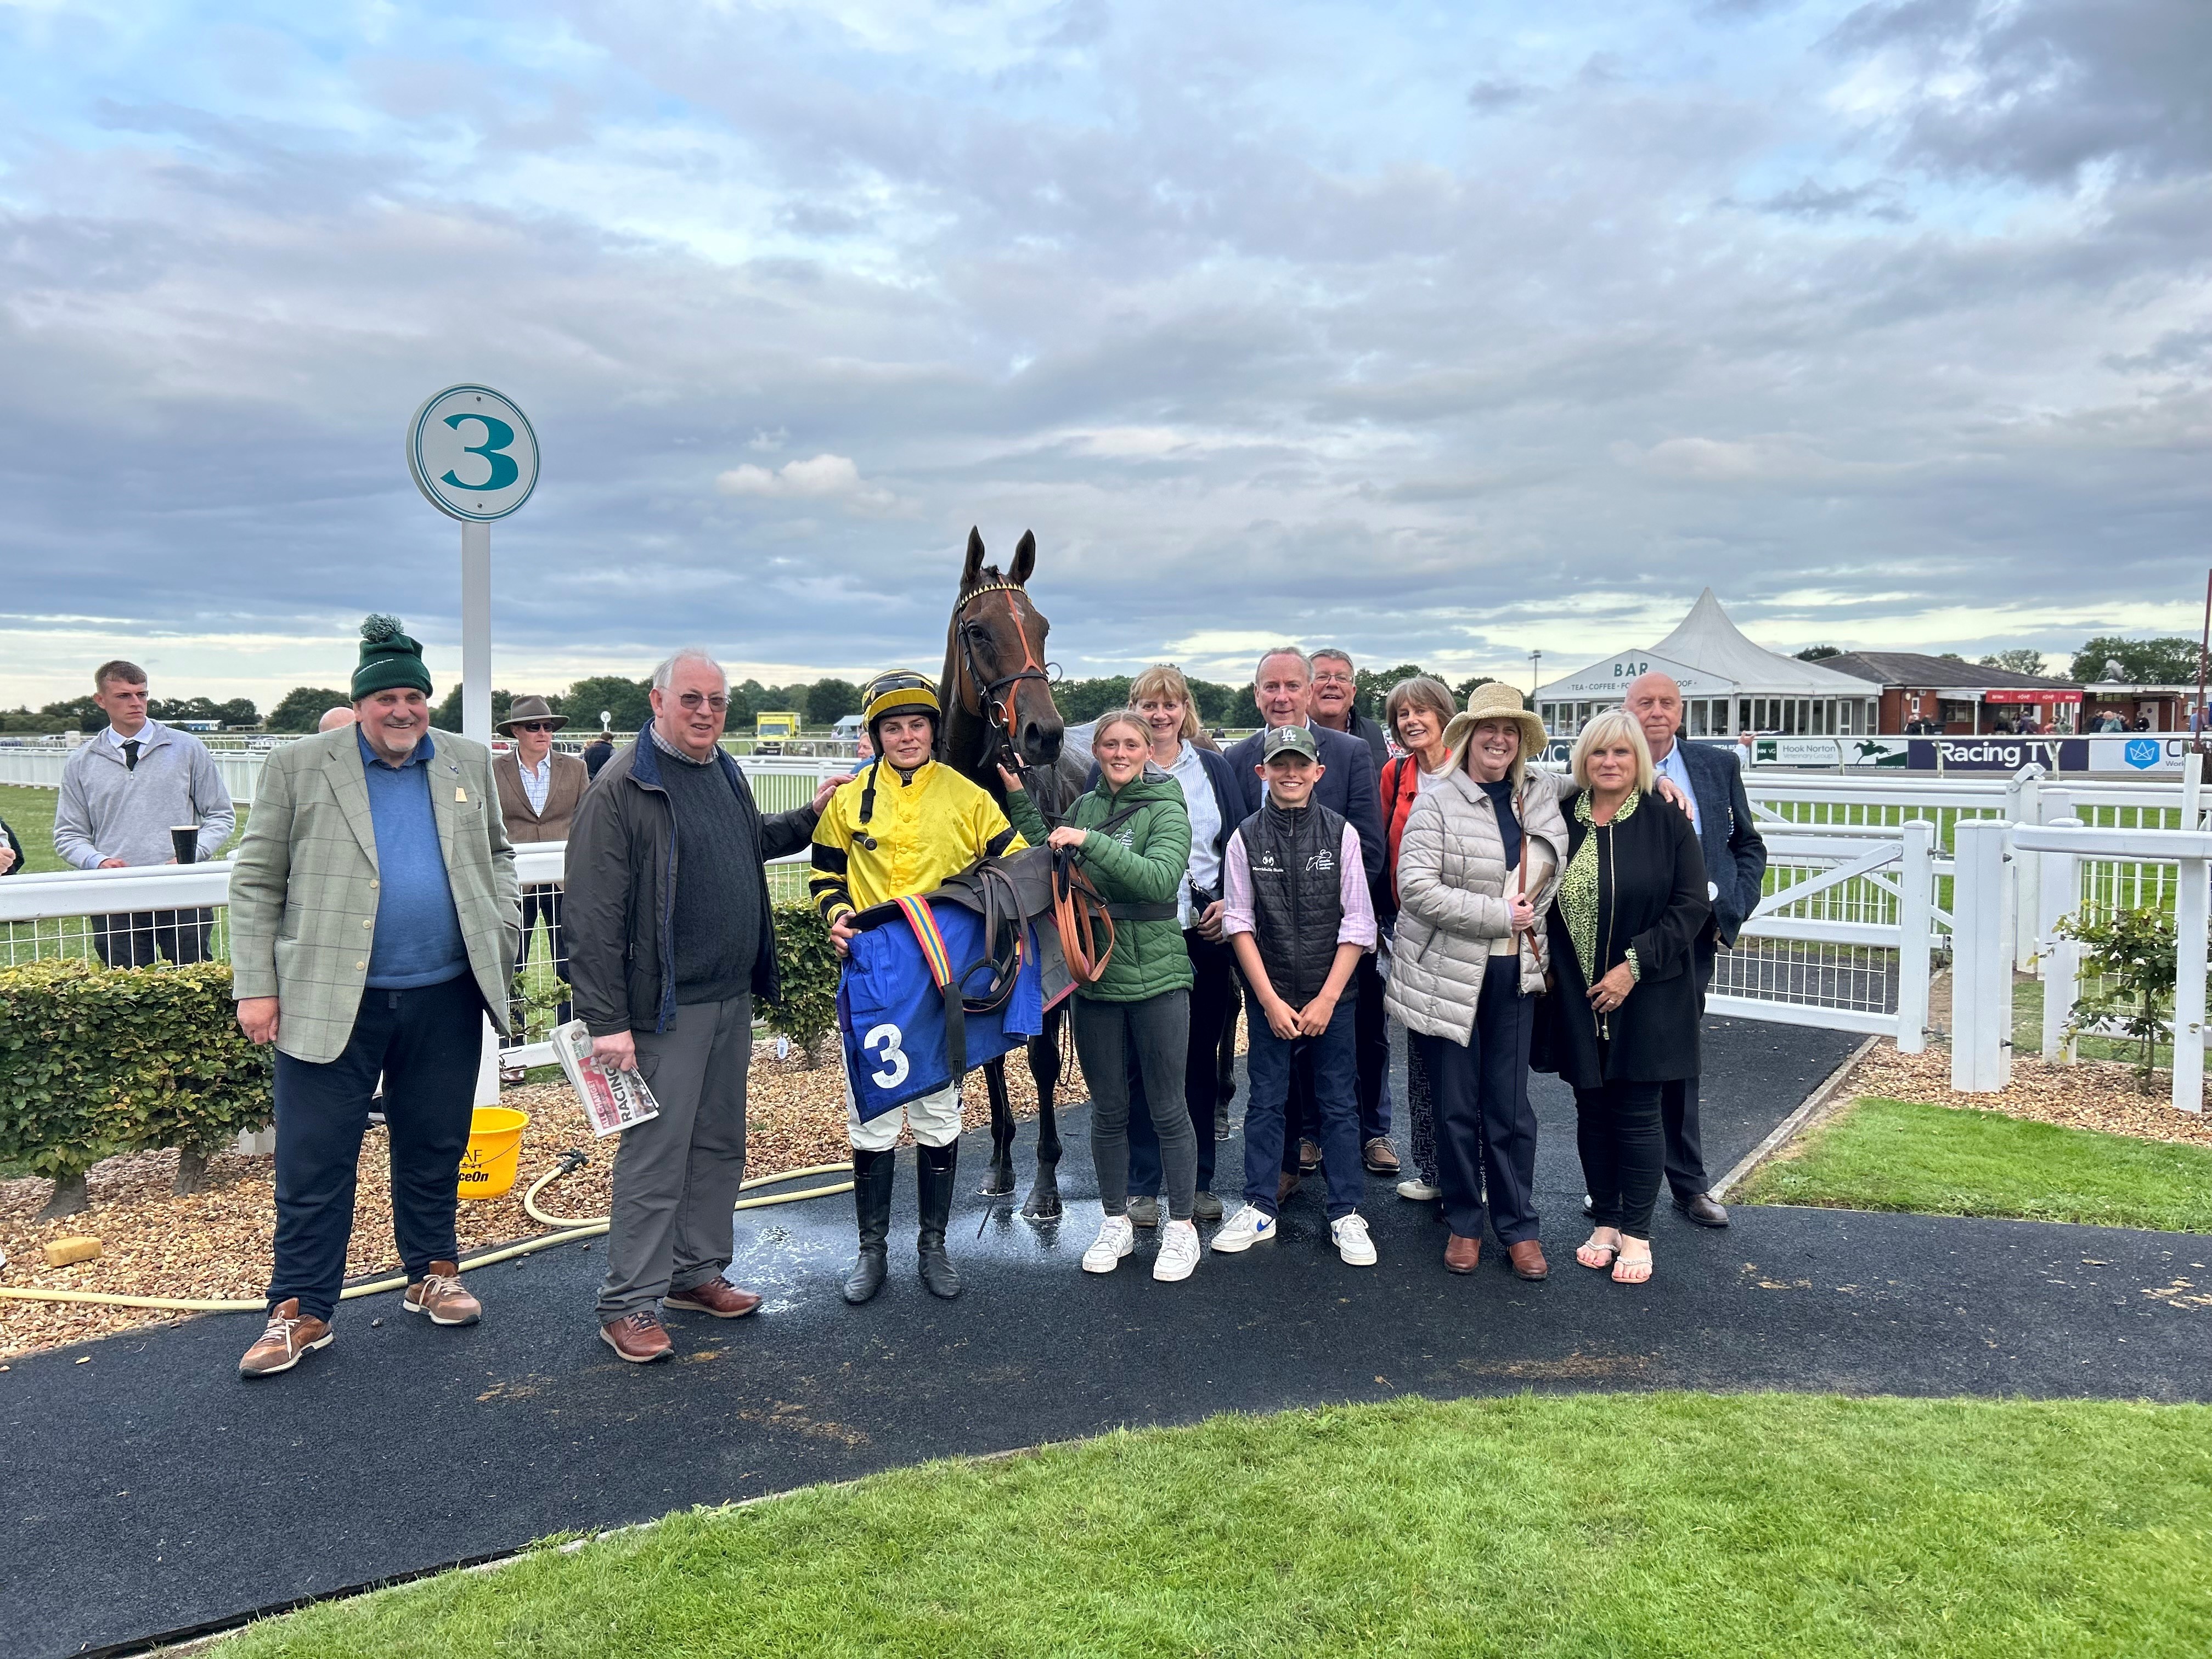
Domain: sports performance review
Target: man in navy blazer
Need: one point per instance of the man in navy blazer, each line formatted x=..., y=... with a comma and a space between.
x=1282, y=686
x=1735, y=870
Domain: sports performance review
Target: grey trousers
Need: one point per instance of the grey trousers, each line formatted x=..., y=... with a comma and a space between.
x=1156, y=1033
x=677, y=1177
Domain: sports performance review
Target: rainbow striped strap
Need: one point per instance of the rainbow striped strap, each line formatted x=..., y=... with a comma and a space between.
x=923, y=920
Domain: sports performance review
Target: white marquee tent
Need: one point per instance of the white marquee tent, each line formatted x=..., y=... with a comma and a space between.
x=1728, y=686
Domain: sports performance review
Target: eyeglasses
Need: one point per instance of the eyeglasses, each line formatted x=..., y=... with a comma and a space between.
x=693, y=701
x=535, y=726
x=1332, y=678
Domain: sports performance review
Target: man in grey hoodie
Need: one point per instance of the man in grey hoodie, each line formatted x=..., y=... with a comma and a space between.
x=122, y=792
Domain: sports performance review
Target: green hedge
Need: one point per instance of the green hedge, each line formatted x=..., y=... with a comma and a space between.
x=94, y=1062
x=807, y=964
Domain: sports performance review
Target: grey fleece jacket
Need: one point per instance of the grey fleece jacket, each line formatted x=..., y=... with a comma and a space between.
x=109, y=811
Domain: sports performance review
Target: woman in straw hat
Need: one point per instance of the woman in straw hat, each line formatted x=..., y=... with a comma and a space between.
x=1631, y=907
x=1477, y=866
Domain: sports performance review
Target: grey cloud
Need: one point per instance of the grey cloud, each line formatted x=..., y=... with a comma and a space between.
x=1492, y=97
x=1810, y=200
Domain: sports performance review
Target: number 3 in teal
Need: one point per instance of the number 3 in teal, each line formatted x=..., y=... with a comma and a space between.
x=498, y=435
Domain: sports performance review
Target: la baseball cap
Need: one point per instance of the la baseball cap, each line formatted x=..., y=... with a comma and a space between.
x=1289, y=740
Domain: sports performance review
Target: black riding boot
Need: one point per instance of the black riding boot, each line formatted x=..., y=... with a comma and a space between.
x=933, y=1167
x=872, y=1200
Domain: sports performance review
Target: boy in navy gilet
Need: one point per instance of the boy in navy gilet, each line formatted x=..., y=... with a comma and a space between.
x=1296, y=911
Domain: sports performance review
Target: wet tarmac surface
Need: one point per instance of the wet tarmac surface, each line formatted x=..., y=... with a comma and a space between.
x=150, y=1490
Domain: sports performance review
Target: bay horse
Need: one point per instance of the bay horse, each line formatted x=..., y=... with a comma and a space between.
x=996, y=694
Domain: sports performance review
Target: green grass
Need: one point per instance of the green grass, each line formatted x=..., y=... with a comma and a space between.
x=1565, y=1525
x=1940, y=1160
x=30, y=813
x=2027, y=1035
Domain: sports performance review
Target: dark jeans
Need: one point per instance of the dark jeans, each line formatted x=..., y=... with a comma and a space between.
x=543, y=899
x=136, y=938
x=1214, y=983
x=1371, y=1054
x=1152, y=1039
x=1486, y=1129
x=1616, y=1131
x=1335, y=1065
x=427, y=1044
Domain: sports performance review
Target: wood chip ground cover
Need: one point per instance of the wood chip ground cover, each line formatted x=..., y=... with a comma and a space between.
x=2092, y=1095
x=216, y=1245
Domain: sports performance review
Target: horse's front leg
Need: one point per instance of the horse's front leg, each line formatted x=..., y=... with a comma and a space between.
x=999, y=1177
x=1044, y=1066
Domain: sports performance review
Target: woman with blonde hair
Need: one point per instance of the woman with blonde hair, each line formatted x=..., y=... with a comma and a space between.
x=1476, y=867
x=1180, y=748
x=1631, y=907
x=1415, y=714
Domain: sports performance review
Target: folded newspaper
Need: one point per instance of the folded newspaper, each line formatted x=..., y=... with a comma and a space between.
x=613, y=1101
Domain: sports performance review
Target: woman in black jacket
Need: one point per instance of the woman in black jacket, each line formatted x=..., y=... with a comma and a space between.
x=1632, y=907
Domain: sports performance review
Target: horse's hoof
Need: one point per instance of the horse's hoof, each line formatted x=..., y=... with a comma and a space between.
x=1044, y=1205
x=997, y=1183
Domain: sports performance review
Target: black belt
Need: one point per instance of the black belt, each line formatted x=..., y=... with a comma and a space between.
x=1143, y=912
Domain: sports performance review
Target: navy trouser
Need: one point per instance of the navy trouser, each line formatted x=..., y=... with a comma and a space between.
x=1678, y=1113
x=428, y=1043
x=1486, y=1129
x=1371, y=1047
x=1334, y=1058
x=1214, y=983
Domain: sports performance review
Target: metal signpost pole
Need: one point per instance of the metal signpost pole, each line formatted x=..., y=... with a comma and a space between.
x=473, y=454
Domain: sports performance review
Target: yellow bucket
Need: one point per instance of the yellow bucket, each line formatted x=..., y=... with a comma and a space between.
x=494, y=1150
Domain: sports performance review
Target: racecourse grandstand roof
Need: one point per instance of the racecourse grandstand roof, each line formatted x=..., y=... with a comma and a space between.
x=1938, y=673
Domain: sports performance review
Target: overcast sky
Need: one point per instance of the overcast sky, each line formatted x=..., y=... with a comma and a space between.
x=1442, y=331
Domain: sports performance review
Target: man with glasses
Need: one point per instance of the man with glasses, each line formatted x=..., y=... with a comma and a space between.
x=672, y=940
x=1336, y=703
x=539, y=791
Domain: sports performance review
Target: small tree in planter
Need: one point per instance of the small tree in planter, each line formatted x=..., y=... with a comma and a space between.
x=2131, y=955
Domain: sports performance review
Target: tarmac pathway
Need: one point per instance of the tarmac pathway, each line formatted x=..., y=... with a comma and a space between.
x=150, y=1490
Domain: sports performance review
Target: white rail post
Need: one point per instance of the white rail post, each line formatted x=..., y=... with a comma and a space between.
x=1916, y=884
x=2028, y=808
x=2192, y=787
x=2189, y=926
x=2061, y=957
x=1981, y=967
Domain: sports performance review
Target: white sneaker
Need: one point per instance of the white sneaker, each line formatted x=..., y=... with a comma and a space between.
x=1353, y=1243
x=1419, y=1190
x=1248, y=1226
x=1178, y=1257
x=1115, y=1240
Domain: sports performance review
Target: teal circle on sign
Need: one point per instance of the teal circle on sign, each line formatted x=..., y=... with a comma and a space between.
x=472, y=453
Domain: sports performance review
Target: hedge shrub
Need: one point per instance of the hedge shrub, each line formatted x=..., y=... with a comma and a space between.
x=807, y=964
x=96, y=1061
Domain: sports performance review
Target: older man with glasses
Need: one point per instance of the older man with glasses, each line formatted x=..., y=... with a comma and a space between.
x=538, y=793
x=671, y=940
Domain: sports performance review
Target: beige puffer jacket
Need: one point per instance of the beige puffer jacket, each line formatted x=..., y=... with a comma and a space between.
x=1453, y=904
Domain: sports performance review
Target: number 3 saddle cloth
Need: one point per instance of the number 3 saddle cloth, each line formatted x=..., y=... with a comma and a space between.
x=907, y=1032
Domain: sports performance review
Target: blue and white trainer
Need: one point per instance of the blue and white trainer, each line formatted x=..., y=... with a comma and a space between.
x=1248, y=1226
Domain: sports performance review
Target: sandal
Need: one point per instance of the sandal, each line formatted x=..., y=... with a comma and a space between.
x=1593, y=1246
x=1632, y=1269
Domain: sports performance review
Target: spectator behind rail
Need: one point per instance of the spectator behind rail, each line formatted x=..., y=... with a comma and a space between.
x=122, y=792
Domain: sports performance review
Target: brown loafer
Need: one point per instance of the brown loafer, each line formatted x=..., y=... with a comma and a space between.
x=289, y=1334
x=1528, y=1260
x=1380, y=1158
x=1285, y=1185
x=639, y=1338
x=717, y=1297
x=439, y=1294
x=1462, y=1255
x=1309, y=1157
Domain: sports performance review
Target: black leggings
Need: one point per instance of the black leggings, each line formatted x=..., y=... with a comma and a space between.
x=1617, y=1129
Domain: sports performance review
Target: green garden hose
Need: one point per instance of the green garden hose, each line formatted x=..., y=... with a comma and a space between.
x=572, y=1228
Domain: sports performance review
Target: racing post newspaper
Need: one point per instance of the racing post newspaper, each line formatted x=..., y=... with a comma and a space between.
x=613, y=1101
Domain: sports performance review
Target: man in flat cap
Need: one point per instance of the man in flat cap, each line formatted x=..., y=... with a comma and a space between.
x=538, y=794
x=373, y=918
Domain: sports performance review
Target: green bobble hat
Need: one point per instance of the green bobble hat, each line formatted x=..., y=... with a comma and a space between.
x=389, y=659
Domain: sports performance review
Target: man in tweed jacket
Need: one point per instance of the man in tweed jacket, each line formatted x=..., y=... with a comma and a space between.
x=374, y=914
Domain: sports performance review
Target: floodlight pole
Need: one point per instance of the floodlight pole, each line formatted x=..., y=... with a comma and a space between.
x=476, y=631
x=1536, y=671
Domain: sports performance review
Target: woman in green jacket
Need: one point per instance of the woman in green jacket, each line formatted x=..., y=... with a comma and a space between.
x=1132, y=836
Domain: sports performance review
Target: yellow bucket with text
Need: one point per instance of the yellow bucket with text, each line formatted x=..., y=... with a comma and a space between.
x=495, y=1151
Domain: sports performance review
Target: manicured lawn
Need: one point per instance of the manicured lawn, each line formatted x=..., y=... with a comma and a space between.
x=1565, y=1525
x=1940, y=1160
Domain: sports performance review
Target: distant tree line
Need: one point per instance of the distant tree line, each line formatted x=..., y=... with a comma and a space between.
x=83, y=714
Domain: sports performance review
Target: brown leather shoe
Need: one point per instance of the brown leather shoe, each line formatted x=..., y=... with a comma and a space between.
x=1380, y=1156
x=1285, y=1184
x=1462, y=1255
x=289, y=1334
x=1528, y=1260
x=439, y=1294
x=639, y=1338
x=1309, y=1157
x=717, y=1297
x=1701, y=1209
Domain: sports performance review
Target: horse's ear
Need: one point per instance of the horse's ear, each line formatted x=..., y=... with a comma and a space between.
x=1024, y=565
x=975, y=565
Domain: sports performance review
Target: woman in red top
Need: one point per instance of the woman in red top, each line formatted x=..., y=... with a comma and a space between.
x=1415, y=713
